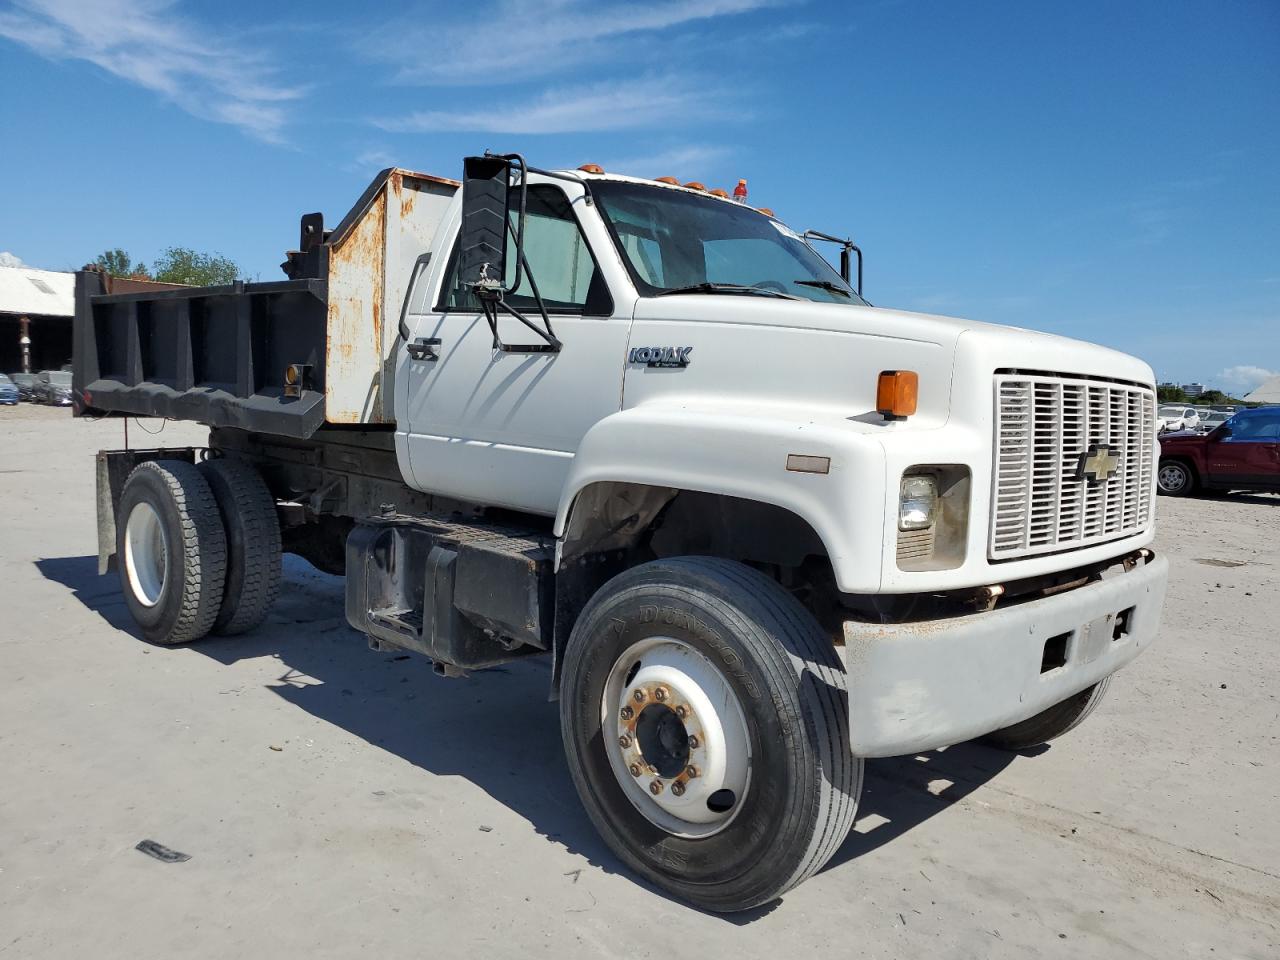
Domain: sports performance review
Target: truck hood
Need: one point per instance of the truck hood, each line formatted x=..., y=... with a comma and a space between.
x=988, y=345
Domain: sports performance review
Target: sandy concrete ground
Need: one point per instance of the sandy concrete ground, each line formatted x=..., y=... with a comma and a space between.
x=337, y=801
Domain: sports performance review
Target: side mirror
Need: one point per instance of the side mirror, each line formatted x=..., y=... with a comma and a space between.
x=482, y=243
x=487, y=201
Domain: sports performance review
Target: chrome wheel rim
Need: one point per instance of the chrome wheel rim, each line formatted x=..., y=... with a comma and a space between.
x=146, y=554
x=676, y=737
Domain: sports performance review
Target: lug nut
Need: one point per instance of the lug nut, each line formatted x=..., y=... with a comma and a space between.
x=678, y=788
x=660, y=694
x=691, y=772
x=638, y=696
x=636, y=770
x=624, y=741
x=656, y=787
x=693, y=743
x=682, y=711
x=627, y=713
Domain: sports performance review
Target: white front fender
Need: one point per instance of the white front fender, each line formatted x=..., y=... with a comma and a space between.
x=742, y=452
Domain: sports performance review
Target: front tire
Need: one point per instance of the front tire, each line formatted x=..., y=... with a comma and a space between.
x=1051, y=723
x=705, y=723
x=171, y=551
x=1175, y=479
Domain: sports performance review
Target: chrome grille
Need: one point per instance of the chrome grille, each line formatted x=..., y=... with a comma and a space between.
x=1044, y=424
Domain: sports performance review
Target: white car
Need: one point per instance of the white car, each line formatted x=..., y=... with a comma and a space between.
x=1176, y=416
x=1212, y=420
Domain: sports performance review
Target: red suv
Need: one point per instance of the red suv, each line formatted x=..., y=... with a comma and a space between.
x=1242, y=454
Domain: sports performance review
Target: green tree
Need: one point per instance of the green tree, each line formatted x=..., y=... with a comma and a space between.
x=1170, y=394
x=184, y=265
x=119, y=264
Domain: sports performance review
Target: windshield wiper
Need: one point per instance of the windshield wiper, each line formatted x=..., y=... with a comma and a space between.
x=728, y=288
x=826, y=285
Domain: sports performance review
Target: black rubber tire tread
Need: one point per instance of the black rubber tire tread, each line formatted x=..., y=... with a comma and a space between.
x=253, y=544
x=805, y=688
x=188, y=605
x=1051, y=723
x=1192, y=480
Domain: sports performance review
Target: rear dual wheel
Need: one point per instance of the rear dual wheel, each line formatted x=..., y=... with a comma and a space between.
x=705, y=723
x=198, y=549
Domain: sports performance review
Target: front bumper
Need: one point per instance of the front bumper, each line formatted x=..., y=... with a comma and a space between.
x=920, y=686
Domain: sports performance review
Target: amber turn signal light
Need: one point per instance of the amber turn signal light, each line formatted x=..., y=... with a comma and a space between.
x=896, y=393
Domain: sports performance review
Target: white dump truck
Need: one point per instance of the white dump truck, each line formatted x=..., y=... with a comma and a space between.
x=764, y=529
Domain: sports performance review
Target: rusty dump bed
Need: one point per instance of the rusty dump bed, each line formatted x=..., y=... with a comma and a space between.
x=222, y=355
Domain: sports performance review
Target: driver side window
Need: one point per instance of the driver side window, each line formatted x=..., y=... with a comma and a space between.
x=557, y=256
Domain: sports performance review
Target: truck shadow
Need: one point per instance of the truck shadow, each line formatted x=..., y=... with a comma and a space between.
x=497, y=728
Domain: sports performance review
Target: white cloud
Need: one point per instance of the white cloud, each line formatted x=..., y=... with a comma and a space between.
x=8, y=259
x=618, y=106
x=509, y=41
x=146, y=42
x=684, y=162
x=372, y=159
x=1246, y=377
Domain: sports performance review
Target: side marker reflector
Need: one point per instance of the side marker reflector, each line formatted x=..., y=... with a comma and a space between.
x=802, y=463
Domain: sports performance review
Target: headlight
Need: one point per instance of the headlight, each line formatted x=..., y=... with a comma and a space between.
x=918, y=503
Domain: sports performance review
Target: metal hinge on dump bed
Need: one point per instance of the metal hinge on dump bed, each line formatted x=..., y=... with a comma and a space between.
x=466, y=595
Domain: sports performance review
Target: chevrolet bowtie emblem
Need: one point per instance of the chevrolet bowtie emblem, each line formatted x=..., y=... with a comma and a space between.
x=1098, y=463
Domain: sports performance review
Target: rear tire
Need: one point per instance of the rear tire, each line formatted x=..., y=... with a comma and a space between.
x=171, y=551
x=1175, y=479
x=765, y=711
x=1054, y=722
x=253, y=544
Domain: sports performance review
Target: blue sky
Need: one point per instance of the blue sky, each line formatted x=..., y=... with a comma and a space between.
x=1109, y=171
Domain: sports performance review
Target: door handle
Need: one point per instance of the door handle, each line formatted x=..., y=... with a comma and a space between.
x=421, y=349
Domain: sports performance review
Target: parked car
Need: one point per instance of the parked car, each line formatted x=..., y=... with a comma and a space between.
x=1212, y=420
x=9, y=394
x=1241, y=454
x=26, y=384
x=54, y=387
x=1176, y=416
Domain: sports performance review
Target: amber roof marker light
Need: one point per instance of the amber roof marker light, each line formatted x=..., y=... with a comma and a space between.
x=591, y=168
x=897, y=394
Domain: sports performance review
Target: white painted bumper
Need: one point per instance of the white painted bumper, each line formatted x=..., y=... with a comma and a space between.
x=920, y=686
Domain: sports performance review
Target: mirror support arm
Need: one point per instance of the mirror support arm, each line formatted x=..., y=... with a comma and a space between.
x=847, y=247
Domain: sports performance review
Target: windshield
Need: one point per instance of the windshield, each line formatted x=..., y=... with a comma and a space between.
x=60, y=378
x=1172, y=411
x=672, y=240
x=4, y=379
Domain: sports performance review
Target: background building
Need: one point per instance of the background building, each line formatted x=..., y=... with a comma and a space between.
x=37, y=305
x=1269, y=392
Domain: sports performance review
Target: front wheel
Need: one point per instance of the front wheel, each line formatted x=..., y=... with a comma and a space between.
x=705, y=723
x=1175, y=478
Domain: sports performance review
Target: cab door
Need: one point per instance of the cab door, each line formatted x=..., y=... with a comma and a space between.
x=1250, y=455
x=501, y=428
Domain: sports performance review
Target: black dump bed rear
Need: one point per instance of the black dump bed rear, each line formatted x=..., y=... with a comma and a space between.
x=217, y=355
x=282, y=357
